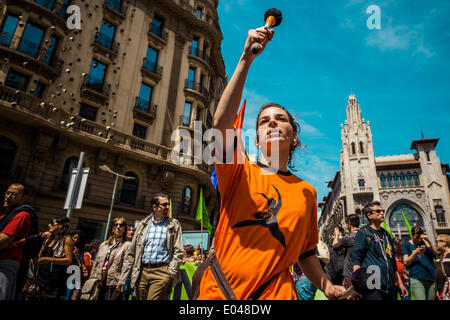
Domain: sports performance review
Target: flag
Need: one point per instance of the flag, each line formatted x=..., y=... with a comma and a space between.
x=202, y=214
x=169, y=214
x=385, y=226
x=408, y=225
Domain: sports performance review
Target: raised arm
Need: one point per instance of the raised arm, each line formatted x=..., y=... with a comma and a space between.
x=231, y=96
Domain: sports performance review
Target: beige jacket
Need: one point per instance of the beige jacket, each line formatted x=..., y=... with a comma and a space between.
x=133, y=258
x=115, y=270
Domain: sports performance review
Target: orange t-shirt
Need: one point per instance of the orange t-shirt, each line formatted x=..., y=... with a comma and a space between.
x=267, y=221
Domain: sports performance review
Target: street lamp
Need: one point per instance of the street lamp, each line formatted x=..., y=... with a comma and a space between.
x=107, y=169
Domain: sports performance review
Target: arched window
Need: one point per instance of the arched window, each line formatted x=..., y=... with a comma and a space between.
x=389, y=179
x=396, y=179
x=361, y=147
x=402, y=179
x=7, y=153
x=353, y=148
x=408, y=178
x=416, y=178
x=382, y=180
x=411, y=214
x=71, y=163
x=186, y=201
x=129, y=189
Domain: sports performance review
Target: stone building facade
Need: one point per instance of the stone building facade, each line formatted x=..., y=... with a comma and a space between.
x=416, y=184
x=116, y=89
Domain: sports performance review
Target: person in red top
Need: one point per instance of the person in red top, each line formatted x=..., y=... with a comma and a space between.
x=268, y=218
x=17, y=228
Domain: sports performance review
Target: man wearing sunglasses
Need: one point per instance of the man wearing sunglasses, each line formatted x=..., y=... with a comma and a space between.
x=374, y=250
x=155, y=254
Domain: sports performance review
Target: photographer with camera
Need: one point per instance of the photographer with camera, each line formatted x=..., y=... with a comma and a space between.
x=418, y=254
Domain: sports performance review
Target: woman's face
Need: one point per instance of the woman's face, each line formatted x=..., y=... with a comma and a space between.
x=130, y=233
x=76, y=238
x=274, y=128
x=440, y=244
x=119, y=228
x=54, y=227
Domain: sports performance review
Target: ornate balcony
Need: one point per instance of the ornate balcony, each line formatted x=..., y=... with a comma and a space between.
x=144, y=110
x=115, y=8
x=106, y=45
x=95, y=90
x=152, y=70
x=200, y=55
x=53, y=11
x=157, y=35
x=196, y=89
x=27, y=54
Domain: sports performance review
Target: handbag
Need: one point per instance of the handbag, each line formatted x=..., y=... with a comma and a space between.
x=90, y=290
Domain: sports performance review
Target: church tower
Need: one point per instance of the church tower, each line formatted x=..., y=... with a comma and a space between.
x=359, y=178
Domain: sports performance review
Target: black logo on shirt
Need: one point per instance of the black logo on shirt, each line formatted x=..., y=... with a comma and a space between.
x=268, y=218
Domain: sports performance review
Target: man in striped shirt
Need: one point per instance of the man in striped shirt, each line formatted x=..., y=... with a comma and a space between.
x=156, y=253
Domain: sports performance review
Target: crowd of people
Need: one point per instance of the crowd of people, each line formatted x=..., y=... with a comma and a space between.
x=413, y=269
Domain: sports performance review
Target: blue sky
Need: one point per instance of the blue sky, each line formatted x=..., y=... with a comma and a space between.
x=323, y=51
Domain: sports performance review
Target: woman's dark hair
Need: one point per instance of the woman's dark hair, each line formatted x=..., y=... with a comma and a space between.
x=189, y=249
x=124, y=235
x=65, y=225
x=417, y=230
x=82, y=240
x=294, y=124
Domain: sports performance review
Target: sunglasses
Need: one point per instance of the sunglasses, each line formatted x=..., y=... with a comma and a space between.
x=378, y=210
x=166, y=205
x=119, y=225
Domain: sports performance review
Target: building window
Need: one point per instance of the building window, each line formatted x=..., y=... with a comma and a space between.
x=71, y=163
x=382, y=180
x=17, y=80
x=396, y=179
x=187, y=113
x=8, y=30
x=31, y=40
x=151, y=59
x=353, y=148
x=129, y=189
x=416, y=178
x=411, y=214
x=106, y=35
x=361, y=147
x=389, y=179
x=96, y=76
x=440, y=214
x=63, y=13
x=361, y=183
x=7, y=153
x=194, y=48
x=114, y=4
x=199, y=12
x=191, y=78
x=46, y=3
x=51, y=50
x=428, y=156
x=402, y=179
x=39, y=91
x=156, y=26
x=145, y=97
x=408, y=178
x=186, y=201
x=139, y=131
x=88, y=112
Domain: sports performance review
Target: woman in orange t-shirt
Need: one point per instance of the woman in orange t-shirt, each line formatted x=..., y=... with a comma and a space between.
x=268, y=216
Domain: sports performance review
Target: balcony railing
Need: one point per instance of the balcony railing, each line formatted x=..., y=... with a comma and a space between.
x=97, y=85
x=152, y=67
x=191, y=84
x=156, y=30
x=107, y=43
x=56, y=117
x=53, y=10
x=146, y=106
x=200, y=54
x=442, y=224
x=117, y=6
x=32, y=50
